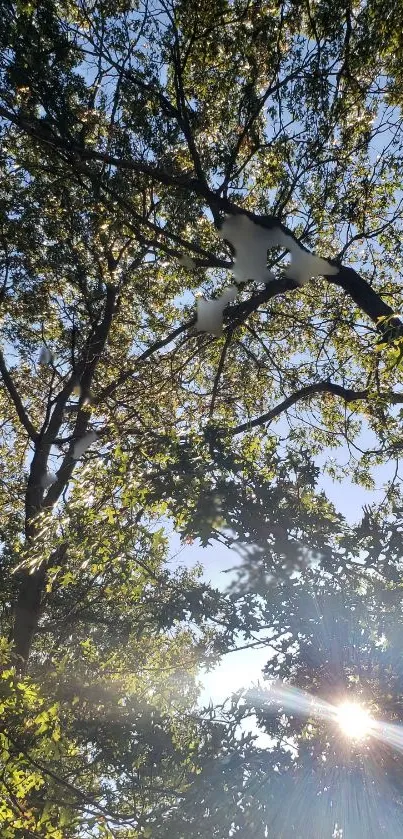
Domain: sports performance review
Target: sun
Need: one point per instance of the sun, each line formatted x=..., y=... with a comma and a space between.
x=354, y=720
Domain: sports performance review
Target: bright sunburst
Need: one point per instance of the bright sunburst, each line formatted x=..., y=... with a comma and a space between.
x=354, y=720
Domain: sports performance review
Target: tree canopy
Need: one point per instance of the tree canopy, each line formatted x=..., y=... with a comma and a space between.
x=134, y=137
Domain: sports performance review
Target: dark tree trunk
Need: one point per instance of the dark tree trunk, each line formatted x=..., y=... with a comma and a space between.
x=27, y=613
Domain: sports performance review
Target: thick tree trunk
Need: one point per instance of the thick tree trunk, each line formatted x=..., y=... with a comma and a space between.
x=27, y=613
x=28, y=607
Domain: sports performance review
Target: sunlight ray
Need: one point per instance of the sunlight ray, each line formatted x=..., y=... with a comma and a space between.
x=353, y=719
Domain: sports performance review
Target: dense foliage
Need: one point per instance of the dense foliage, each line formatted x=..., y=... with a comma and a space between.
x=128, y=131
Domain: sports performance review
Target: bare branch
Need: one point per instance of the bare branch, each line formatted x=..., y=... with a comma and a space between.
x=304, y=393
x=347, y=394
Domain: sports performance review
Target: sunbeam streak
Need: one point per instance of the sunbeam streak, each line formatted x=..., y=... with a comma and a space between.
x=389, y=733
x=353, y=719
x=293, y=699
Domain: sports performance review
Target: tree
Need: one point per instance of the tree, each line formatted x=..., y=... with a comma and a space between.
x=129, y=132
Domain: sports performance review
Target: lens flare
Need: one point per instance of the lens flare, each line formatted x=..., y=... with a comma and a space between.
x=354, y=720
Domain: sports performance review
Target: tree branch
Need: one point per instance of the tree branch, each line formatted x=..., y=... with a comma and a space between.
x=16, y=399
x=348, y=279
x=219, y=371
x=368, y=301
x=153, y=348
x=304, y=393
x=209, y=260
x=29, y=602
x=233, y=315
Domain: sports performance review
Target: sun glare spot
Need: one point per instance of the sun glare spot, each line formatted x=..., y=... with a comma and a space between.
x=354, y=720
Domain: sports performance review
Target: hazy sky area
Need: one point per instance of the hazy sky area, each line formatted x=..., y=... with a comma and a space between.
x=240, y=670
